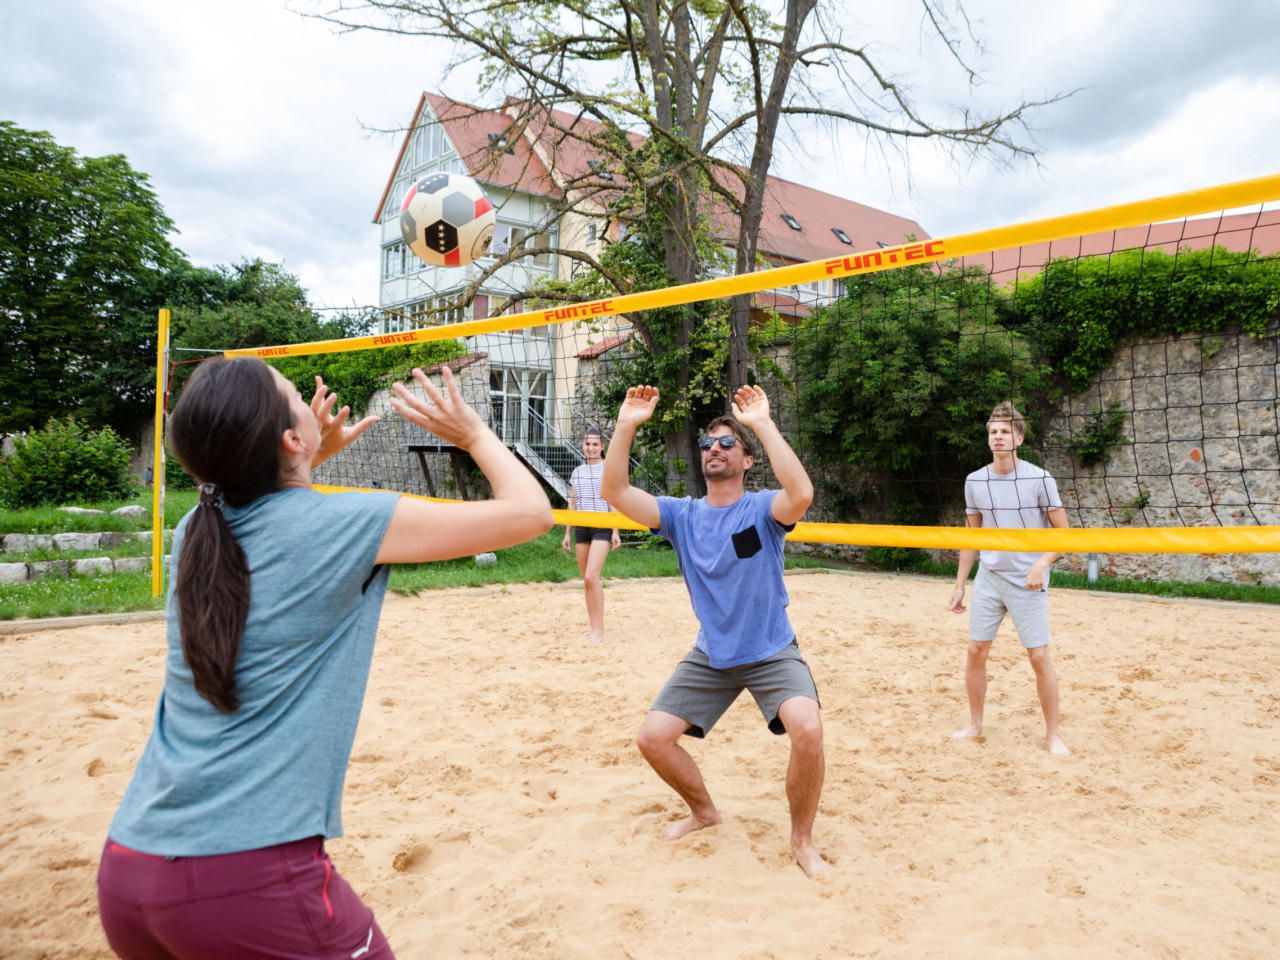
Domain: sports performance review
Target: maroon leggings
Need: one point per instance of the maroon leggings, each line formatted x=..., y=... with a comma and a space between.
x=279, y=902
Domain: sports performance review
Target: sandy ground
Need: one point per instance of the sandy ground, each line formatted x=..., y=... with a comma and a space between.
x=496, y=805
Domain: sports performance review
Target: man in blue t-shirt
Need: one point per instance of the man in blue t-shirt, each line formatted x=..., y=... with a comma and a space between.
x=729, y=545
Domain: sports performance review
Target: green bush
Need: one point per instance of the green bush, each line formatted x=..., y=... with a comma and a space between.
x=175, y=474
x=65, y=462
x=896, y=558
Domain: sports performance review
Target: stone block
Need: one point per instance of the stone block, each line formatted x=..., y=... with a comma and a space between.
x=1183, y=389
x=1185, y=423
x=1198, y=516
x=1162, y=517
x=1159, y=492
x=1184, y=355
x=1185, y=457
x=1267, y=514
x=1153, y=459
x=13, y=572
x=1219, y=386
x=1227, y=489
x=22, y=542
x=1149, y=393
x=1149, y=360
x=1257, y=383
x=1092, y=493
x=132, y=510
x=1190, y=490
x=1115, y=392
x=1220, y=351
x=1257, y=418
x=1257, y=351
x=128, y=564
x=1222, y=455
x=49, y=568
x=76, y=541
x=1260, y=453
x=1220, y=420
x=1083, y=404
x=1150, y=426
x=114, y=538
x=92, y=566
x=1097, y=518
x=80, y=510
x=1122, y=491
x=1231, y=516
x=1120, y=367
x=1263, y=486
x=1121, y=462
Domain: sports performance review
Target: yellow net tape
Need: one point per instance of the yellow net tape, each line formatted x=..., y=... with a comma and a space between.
x=1172, y=207
x=1206, y=540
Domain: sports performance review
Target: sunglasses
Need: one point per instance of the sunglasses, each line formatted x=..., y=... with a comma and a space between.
x=727, y=442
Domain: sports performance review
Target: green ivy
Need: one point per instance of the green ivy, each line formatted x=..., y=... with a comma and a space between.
x=1102, y=430
x=356, y=375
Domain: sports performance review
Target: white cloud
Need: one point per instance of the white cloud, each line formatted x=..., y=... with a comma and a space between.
x=249, y=117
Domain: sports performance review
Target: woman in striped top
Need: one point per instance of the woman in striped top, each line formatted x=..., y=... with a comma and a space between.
x=592, y=544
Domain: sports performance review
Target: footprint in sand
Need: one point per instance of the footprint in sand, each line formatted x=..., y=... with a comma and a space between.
x=414, y=859
x=96, y=768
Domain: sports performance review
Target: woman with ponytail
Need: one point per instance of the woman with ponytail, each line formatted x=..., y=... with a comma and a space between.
x=217, y=849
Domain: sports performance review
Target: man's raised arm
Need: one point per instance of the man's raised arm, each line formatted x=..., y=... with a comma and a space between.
x=751, y=409
x=615, y=484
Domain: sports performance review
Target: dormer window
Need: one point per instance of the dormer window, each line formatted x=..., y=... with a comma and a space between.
x=598, y=169
x=791, y=222
x=881, y=244
x=842, y=236
x=498, y=141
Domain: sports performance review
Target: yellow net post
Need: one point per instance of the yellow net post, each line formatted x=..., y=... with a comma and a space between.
x=157, y=473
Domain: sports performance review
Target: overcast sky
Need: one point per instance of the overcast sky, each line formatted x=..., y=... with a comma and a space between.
x=254, y=123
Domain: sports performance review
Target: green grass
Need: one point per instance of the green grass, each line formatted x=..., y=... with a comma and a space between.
x=53, y=520
x=542, y=561
x=1206, y=590
x=70, y=596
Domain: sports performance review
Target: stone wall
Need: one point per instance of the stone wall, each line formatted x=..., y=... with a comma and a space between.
x=1200, y=450
x=379, y=458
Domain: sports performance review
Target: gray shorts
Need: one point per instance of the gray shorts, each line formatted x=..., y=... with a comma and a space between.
x=699, y=694
x=993, y=595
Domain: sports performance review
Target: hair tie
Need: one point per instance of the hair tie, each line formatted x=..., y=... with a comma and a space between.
x=211, y=495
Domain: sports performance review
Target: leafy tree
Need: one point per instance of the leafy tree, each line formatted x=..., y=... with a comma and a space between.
x=895, y=380
x=82, y=242
x=710, y=86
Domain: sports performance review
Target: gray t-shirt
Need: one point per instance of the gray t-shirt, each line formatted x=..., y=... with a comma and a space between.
x=271, y=772
x=1022, y=498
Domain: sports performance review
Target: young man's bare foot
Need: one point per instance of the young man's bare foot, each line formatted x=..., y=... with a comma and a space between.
x=674, y=831
x=971, y=732
x=1057, y=746
x=811, y=861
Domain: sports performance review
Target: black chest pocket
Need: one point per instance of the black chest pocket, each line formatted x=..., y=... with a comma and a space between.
x=746, y=542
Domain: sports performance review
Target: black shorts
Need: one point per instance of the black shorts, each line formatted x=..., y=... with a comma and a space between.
x=591, y=534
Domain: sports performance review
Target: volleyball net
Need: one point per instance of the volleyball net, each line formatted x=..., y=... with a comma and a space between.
x=1138, y=339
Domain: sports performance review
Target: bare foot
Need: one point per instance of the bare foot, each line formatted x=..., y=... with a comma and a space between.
x=811, y=861
x=595, y=636
x=674, y=831
x=1057, y=747
x=971, y=732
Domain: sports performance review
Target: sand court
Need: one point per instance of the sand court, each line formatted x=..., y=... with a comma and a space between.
x=496, y=805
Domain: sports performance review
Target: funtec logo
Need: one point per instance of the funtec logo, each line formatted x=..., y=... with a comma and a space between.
x=395, y=338
x=886, y=257
x=578, y=311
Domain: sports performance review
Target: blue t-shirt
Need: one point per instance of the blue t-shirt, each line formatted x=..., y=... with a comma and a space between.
x=731, y=559
x=272, y=771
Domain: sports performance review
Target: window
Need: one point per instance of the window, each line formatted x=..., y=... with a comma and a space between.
x=480, y=307
x=395, y=261
x=881, y=244
x=591, y=233
x=394, y=199
x=598, y=169
x=842, y=236
x=498, y=141
x=791, y=222
x=418, y=152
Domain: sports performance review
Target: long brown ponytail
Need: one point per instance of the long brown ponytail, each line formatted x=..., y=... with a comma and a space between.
x=226, y=430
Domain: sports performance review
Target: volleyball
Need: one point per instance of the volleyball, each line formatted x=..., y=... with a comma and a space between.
x=447, y=220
